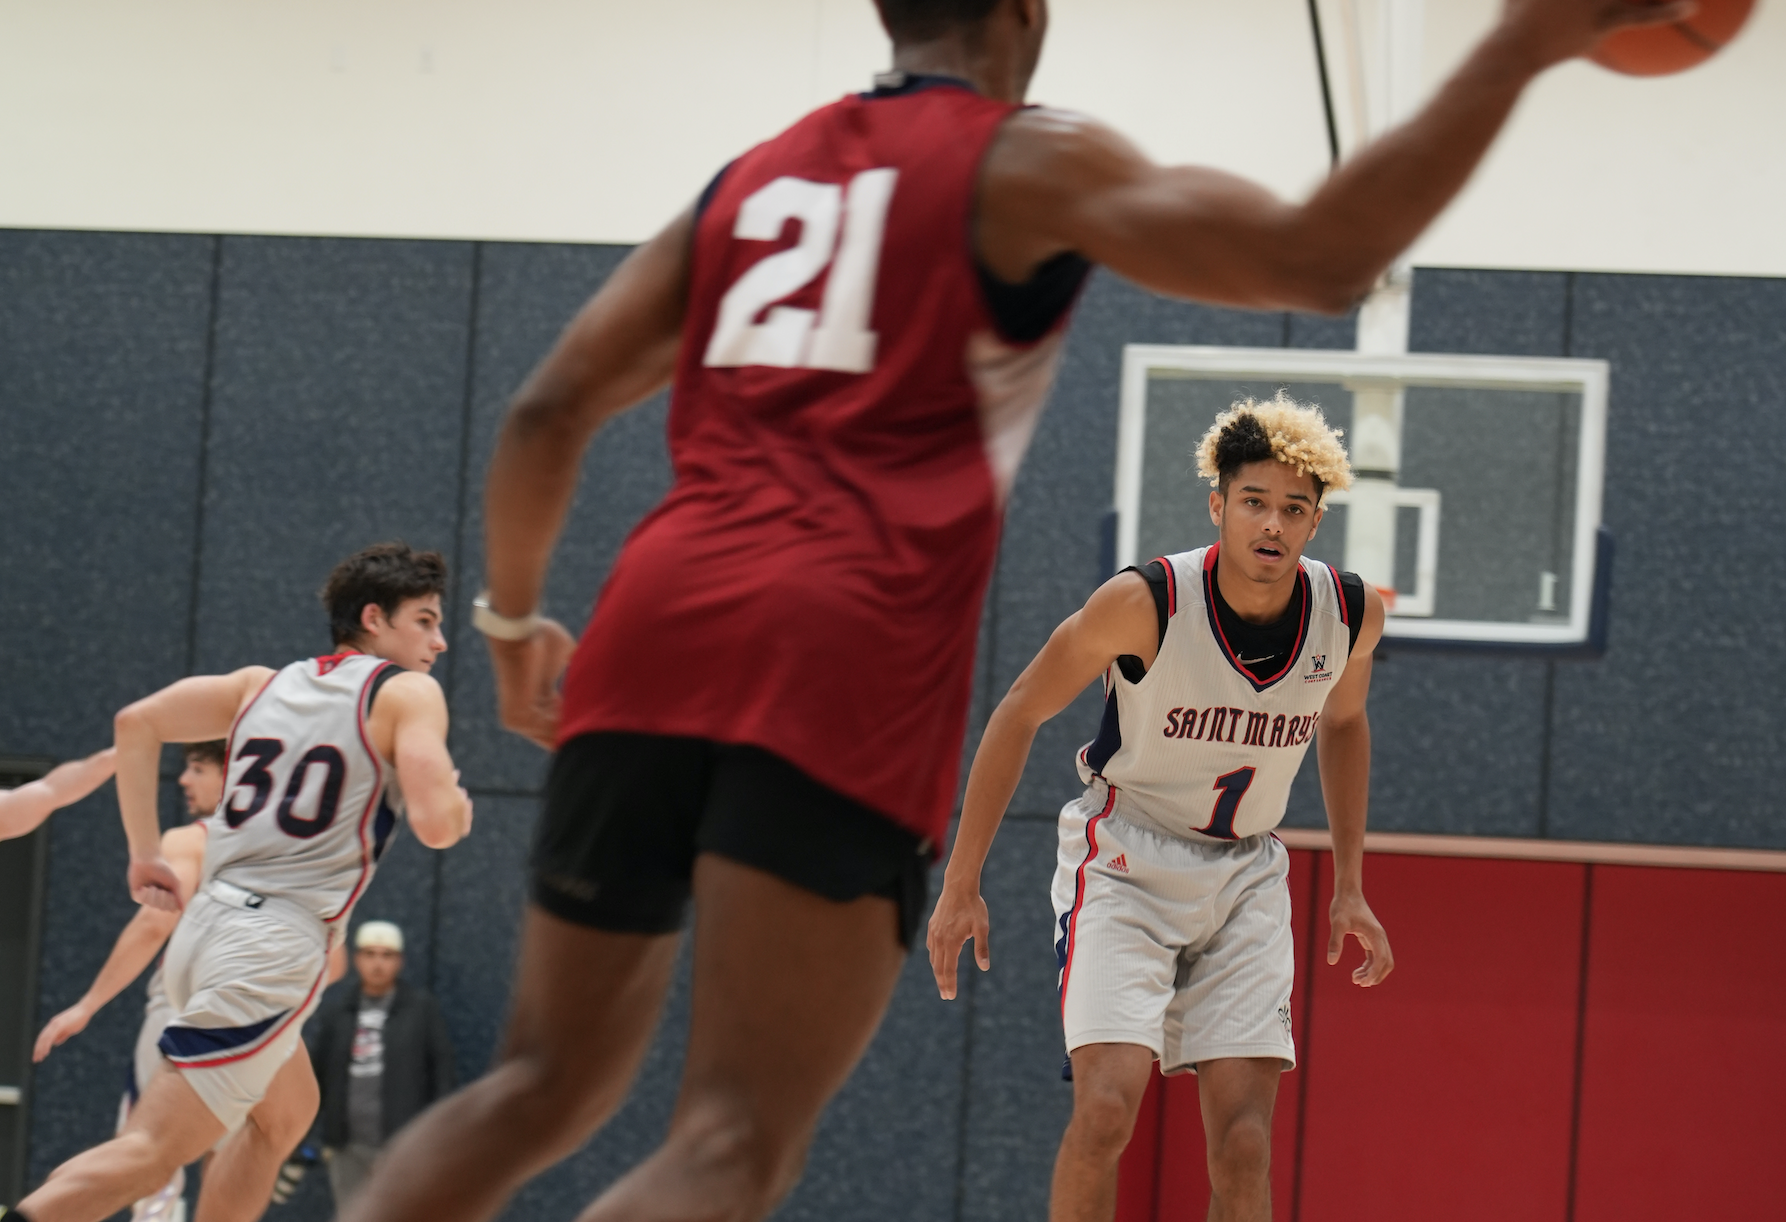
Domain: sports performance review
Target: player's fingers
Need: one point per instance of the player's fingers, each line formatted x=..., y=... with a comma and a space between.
x=1336, y=942
x=160, y=898
x=1627, y=15
x=1377, y=959
x=983, y=944
x=942, y=963
x=1385, y=960
x=545, y=732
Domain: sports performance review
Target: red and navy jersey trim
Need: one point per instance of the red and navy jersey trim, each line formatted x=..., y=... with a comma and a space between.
x=1339, y=595
x=1171, y=585
x=1098, y=752
x=369, y=851
x=212, y=1045
x=1069, y=922
x=208, y=1047
x=1215, y=623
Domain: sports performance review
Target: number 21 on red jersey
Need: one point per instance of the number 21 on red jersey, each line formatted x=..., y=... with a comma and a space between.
x=836, y=335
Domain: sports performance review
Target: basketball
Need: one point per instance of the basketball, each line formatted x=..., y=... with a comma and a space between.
x=1659, y=50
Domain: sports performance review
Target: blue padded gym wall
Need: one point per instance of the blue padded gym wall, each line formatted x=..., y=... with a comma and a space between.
x=198, y=427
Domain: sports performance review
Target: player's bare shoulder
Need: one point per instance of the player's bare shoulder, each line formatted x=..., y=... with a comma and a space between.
x=184, y=850
x=249, y=681
x=407, y=698
x=1371, y=630
x=187, y=841
x=409, y=690
x=1037, y=139
x=1124, y=607
x=1039, y=170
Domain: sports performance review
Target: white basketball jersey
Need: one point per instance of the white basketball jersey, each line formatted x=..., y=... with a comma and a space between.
x=1199, y=748
x=308, y=806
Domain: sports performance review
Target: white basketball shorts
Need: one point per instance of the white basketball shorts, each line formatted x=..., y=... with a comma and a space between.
x=146, y=1059
x=242, y=974
x=1180, y=946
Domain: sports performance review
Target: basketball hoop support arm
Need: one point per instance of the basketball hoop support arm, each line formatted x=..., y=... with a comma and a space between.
x=1393, y=79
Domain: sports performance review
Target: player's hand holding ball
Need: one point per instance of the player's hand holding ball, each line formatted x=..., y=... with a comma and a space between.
x=1349, y=914
x=1552, y=31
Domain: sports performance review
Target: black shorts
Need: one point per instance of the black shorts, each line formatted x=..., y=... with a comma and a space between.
x=627, y=813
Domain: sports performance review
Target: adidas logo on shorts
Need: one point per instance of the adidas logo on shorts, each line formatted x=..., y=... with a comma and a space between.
x=1119, y=863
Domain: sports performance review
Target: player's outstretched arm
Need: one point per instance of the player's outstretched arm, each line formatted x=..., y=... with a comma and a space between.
x=409, y=723
x=136, y=947
x=1057, y=181
x=1343, y=748
x=1118, y=619
x=192, y=710
x=619, y=349
x=24, y=808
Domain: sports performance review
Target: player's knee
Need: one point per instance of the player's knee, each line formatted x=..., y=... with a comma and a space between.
x=148, y=1151
x=551, y=1101
x=729, y=1146
x=1240, y=1152
x=1103, y=1119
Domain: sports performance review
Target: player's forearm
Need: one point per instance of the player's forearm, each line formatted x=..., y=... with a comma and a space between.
x=439, y=811
x=439, y=816
x=1377, y=203
x=1344, y=753
x=991, y=782
x=76, y=779
x=135, y=949
x=22, y=809
x=533, y=476
x=621, y=348
x=139, y=774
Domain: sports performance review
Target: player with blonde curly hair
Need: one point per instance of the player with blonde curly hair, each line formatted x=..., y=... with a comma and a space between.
x=1170, y=893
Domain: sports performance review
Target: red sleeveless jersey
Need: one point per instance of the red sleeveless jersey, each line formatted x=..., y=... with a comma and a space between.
x=844, y=428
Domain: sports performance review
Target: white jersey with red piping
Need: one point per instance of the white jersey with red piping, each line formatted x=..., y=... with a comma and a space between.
x=1199, y=748
x=308, y=805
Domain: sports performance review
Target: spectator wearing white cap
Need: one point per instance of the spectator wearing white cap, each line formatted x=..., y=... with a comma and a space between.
x=381, y=1053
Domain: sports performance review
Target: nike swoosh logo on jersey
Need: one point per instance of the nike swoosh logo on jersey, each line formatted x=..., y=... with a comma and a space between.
x=1255, y=661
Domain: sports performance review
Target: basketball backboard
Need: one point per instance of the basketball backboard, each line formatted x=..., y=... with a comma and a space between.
x=1476, y=502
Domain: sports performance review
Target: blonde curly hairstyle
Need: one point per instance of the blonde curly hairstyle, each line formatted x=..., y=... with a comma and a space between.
x=1296, y=434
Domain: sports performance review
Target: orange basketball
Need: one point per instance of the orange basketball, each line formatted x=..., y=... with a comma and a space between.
x=1657, y=50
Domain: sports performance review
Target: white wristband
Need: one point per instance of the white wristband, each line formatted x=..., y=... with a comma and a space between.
x=501, y=627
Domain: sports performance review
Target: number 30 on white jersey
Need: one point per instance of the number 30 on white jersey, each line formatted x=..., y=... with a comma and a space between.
x=308, y=806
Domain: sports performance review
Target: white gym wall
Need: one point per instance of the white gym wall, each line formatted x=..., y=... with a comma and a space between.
x=594, y=120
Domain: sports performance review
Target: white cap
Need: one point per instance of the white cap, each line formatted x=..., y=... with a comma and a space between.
x=381, y=934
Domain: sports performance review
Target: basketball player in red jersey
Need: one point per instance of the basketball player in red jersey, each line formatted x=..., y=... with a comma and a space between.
x=860, y=318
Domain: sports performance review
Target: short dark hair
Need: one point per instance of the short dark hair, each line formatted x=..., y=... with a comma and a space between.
x=388, y=574
x=207, y=753
x=922, y=20
x=1244, y=440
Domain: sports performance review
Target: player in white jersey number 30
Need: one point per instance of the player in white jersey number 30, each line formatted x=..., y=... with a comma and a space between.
x=1171, y=895
x=323, y=758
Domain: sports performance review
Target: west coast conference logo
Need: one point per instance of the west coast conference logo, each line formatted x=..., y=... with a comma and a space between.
x=1318, y=672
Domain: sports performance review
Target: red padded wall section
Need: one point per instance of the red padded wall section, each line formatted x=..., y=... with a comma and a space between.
x=1446, y=1092
x=1683, y=1109
x=1138, y=1179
